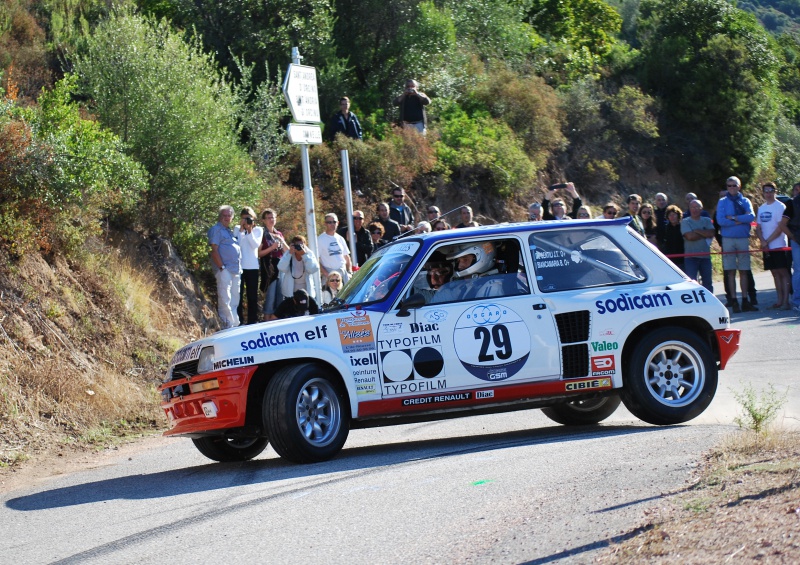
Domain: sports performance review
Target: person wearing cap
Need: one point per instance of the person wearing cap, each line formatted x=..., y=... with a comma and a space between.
x=557, y=205
x=364, y=246
x=298, y=304
x=734, y=216
x=634, y=201
x=534, y=212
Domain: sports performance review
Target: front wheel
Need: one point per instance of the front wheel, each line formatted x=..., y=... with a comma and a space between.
x=671, y=378
x=583, y=412
x=227, y=450
x=306, y=414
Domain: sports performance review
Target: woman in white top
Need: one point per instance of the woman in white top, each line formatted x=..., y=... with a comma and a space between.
x=333, y=284
x=249, y=237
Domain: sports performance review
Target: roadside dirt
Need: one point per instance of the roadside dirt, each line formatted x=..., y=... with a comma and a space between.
x=744, y=507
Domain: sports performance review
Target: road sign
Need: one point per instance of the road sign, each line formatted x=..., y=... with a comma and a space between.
x=304, y=133
x=300, y=91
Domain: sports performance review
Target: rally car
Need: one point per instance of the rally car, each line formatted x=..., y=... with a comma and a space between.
x=570, y=317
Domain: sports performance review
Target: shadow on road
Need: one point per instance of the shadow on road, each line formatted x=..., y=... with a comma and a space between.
x=351, y=461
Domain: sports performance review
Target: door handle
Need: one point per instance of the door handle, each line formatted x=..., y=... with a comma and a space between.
x=541, y=306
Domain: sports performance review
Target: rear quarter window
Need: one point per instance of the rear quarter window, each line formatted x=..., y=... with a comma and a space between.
x=580, y=258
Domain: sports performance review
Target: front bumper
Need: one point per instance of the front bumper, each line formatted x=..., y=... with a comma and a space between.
x=207, y=410
x=728, y=344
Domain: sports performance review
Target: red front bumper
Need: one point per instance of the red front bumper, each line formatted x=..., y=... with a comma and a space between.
x=184, y=409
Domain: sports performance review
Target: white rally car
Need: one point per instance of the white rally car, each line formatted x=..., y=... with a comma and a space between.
x=570, y=317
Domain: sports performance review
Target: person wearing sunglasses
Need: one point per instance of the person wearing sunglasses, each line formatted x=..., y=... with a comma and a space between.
x=648, y=218
x=584, y=213
x=400, y=212
x=555, y=208
x=334, y=255
x=734, y=215
x=376, y=233
x=364, y=245
x=331, y=288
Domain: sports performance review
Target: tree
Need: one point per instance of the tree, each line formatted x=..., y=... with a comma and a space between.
x=177, y=115
x=715, y=70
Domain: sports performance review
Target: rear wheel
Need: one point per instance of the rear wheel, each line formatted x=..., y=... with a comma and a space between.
x=583, y=412
x=671, y=378
x=306, y=414
x=226, y=450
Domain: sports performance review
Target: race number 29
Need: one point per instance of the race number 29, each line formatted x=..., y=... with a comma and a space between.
x=492, y=342
x=497, y=337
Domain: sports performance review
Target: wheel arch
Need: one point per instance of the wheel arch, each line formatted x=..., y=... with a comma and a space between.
x=694, y=324
x=265, y=371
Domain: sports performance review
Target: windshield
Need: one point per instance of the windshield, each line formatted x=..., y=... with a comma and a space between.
x=379, y=275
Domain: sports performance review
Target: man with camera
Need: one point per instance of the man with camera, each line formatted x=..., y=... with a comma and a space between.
x=297, y=269
x=412, y=107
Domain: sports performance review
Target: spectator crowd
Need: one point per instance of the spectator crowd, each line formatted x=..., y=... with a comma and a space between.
x=250, y=261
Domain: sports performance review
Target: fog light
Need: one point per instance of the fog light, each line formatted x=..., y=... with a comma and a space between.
x=204, y=385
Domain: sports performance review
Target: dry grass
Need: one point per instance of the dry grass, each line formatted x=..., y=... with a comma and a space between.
x=743, y=507
x=82, y=347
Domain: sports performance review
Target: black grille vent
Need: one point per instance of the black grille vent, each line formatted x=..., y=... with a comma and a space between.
x=575, y=360
x=181, y=370
x=573, y=327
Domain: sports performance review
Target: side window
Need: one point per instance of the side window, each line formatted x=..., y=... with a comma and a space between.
x=574, y=259
x=472, y=271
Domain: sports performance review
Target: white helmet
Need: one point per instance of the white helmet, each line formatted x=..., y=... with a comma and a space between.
x=484, y=258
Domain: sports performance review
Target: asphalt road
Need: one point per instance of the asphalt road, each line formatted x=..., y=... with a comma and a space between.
x=505, y=488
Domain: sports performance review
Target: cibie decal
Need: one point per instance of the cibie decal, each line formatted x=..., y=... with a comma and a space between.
x=588, y=384
x=603, y=366
x=355, y=332
x=187, y=353
x=492, y=342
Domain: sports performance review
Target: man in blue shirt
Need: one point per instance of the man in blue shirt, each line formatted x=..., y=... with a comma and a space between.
x=734, y=216
x=226, y=262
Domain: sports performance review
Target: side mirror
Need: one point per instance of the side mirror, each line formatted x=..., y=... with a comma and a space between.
x=411, y=303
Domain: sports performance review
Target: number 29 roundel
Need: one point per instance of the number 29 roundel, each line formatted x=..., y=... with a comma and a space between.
x=492, y=342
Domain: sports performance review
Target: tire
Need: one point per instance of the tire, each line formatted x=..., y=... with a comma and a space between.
x=671, y=377
x=306, y=413
x=583, y=412
x=229, y=450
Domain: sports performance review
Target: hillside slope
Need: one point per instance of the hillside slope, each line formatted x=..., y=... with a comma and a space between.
x=84, y=342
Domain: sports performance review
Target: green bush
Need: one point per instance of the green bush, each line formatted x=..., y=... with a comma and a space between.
x=758, y=410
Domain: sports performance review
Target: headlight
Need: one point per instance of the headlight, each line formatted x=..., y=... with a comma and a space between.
x=206, y=361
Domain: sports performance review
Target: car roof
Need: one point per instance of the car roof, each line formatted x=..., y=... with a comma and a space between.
x=516, y=227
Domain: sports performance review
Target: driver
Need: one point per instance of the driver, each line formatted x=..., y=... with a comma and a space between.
x=470, y=262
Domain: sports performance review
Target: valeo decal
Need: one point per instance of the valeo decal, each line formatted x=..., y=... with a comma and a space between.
x=492, y=342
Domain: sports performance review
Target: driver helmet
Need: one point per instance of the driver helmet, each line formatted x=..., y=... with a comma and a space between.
x=484, y=258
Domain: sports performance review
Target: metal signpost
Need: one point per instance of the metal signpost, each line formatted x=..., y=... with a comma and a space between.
x=300, y=91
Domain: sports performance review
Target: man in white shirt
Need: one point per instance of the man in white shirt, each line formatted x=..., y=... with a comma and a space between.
x=249, y=237
x=771, y=238
x=334, y=254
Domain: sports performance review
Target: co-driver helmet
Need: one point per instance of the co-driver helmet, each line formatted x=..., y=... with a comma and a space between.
x=484, y=258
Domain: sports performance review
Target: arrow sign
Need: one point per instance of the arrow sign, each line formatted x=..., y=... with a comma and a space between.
x=304, y=133
x=300, y=91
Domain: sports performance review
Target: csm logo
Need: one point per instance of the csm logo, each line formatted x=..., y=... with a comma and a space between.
x=479, y=394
